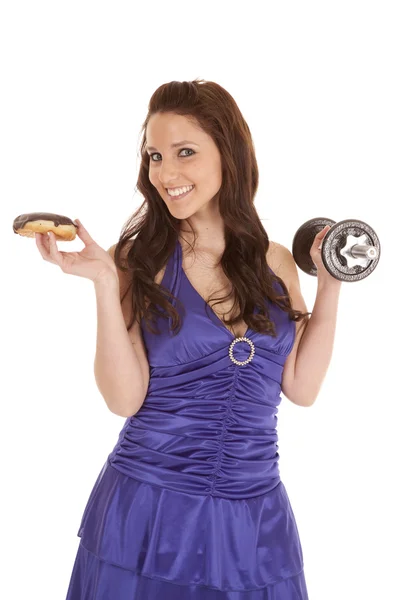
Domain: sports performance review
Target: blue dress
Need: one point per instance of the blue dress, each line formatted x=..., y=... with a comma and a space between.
x=189, y=504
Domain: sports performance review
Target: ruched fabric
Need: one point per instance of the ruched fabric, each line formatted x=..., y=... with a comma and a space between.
x=189, y=504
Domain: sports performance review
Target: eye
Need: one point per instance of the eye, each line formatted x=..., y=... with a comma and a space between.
x=183, y=149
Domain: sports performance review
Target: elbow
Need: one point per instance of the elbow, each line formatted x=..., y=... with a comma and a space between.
x=308, y=403
x=129, y=410
x=304, y=400
x=301, y=395
x=125, y=409
x=126, y=414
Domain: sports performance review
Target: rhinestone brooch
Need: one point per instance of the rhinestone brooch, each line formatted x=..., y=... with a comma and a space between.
x=235, y=341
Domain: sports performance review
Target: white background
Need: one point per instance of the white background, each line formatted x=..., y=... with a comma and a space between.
x=318, y=84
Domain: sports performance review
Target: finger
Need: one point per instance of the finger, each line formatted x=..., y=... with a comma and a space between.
x=46, y=249
x=319, y=237
x=44, y=239
x=53, y=249
x=42, y=242
x=84, y=234
x=323, y=231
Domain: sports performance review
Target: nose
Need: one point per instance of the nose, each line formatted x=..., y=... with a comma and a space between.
x=167, y=173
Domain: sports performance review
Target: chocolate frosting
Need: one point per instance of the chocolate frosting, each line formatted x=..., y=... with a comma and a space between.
x=22, y=220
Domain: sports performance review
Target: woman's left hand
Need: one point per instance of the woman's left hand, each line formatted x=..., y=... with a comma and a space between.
x=315, y=252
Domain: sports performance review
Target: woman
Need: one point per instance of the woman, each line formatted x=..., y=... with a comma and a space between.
x=189, y=503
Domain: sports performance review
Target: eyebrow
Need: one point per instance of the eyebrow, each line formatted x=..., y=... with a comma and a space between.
x=173, y=145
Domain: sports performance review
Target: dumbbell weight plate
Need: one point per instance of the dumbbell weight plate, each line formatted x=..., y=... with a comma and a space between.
x=337, y=238
x=304, y=239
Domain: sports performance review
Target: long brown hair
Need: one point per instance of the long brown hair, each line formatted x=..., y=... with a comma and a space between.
x=152, y=232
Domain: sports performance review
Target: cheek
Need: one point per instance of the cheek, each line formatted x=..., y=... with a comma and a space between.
x=152, y=178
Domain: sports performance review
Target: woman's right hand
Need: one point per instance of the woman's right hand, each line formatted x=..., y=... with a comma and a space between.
x=92, y=262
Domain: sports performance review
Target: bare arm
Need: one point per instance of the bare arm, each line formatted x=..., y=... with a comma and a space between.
x=316, y=348
x=307, y=364
x=118, y=371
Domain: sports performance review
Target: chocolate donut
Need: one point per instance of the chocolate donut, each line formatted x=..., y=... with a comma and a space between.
x=30, y=223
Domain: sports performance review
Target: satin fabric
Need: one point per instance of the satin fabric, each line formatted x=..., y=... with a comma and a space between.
x=189, y=503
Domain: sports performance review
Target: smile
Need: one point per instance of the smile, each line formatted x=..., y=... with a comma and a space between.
x=180, y=195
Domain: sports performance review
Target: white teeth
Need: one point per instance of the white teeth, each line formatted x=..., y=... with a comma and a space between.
x=179, y=191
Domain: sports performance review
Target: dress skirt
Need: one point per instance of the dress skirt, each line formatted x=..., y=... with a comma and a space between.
x=142, y=541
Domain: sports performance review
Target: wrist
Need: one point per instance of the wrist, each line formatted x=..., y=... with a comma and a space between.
x=107, y=279
x=329, y=282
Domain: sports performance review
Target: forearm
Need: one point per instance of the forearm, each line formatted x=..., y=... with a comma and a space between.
x=315, y=349
x=116, y=367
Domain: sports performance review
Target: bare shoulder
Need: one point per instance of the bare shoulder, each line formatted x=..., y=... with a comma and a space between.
x=281, y=261
x=273, y=256
x=124, y=253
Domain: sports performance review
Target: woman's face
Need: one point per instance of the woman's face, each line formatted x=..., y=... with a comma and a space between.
x=196, y=162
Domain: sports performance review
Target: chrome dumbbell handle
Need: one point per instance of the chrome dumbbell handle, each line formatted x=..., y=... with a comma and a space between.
x=364, y=251
x=357, y=253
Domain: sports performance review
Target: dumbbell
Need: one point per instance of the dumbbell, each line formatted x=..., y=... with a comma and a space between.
x=350, y=249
